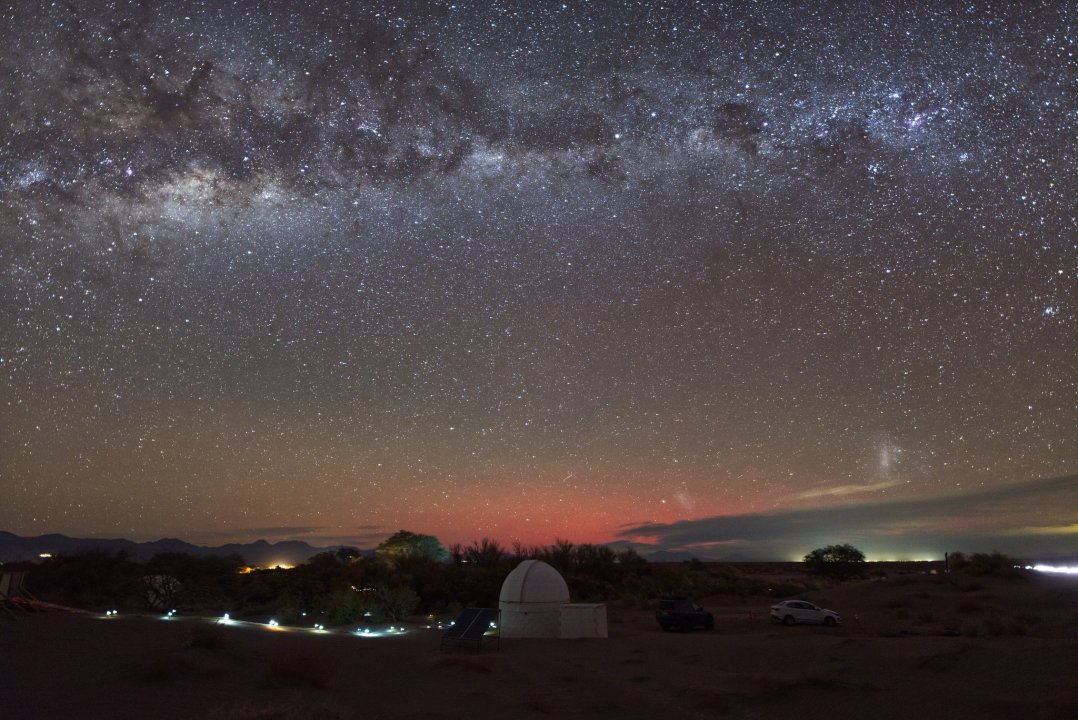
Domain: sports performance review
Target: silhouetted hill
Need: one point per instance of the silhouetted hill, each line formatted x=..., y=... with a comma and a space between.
x=289, y=552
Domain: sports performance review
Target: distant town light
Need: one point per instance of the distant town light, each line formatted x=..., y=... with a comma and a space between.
x=248, y=569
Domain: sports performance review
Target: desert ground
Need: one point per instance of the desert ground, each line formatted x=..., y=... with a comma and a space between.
x=918, y=646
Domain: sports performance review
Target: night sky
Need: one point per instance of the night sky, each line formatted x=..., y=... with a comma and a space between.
x=742, y=278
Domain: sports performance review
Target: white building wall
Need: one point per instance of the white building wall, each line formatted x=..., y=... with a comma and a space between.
x=583, y=621
x=530, y=620
x=534, y=603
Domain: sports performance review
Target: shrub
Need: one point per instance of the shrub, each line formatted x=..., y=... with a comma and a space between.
x=95, y=579
x=392, y=604
x=977, y=564
x=788, y=588
x=207, y=637
x=344, y=607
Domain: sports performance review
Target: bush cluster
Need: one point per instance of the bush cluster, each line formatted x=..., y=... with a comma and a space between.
x=345, y=587
x=979, y=564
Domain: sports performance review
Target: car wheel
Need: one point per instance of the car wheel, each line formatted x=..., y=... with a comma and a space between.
x=710, y=625
x=788, y=620
x=829, y=621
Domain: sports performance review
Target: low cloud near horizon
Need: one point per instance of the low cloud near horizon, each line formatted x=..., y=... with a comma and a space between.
x=1033, y=518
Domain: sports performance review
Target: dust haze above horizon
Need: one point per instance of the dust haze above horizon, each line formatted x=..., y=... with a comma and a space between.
x=742, y=276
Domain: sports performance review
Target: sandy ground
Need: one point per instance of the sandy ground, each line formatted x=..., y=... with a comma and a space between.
x=893, y=658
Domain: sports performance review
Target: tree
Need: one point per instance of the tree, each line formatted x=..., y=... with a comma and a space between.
x=838, y=561
x=404, y=544
x=485, y=553
x=560, y=555
x=197, y=582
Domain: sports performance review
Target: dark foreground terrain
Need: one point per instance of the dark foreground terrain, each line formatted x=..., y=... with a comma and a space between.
x=917, y=646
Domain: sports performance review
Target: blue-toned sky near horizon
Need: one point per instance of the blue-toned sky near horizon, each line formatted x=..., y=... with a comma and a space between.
x=742, y=278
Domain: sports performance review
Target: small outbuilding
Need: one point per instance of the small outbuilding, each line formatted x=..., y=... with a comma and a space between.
x=534, y=603
x=583, y=620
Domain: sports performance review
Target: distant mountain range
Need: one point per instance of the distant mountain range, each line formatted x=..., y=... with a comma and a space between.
x=15, y=548
x=260, y=553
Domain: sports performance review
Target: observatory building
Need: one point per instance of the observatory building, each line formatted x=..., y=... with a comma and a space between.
x=534, y=603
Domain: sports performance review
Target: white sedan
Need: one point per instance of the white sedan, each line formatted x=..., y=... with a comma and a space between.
x=791, y=612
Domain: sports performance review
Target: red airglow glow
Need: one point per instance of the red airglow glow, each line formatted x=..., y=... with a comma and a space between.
x=580, y=515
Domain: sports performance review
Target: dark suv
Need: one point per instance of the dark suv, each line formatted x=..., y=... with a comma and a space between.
x=680, y=613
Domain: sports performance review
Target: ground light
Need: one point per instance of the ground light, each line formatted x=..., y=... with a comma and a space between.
x=274, y=624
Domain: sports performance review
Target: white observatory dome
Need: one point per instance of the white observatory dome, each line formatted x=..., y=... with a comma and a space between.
x=531, y=601
x=533, y=581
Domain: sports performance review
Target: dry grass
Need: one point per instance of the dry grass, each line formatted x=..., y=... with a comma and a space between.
x=718, y=703
x=276, y=711
x=300, y=670
x=949, y=660
x=540, y=705
x=465, y=662
x=170, y=667
x=605, y=707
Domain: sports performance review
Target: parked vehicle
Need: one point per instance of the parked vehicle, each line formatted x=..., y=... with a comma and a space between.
x=678, y=613
x=792, y=612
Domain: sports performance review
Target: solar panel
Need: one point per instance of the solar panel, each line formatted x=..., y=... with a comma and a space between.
x=474, y=629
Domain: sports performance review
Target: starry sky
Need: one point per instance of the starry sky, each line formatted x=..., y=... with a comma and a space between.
x=741, y=278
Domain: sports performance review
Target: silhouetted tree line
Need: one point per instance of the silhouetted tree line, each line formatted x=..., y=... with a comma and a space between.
x=410, y=574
